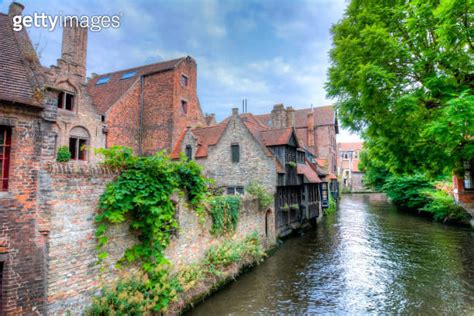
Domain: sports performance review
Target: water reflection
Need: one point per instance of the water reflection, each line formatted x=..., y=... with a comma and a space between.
x=369, y=258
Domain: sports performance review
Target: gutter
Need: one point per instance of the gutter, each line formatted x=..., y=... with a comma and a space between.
x=142, y=106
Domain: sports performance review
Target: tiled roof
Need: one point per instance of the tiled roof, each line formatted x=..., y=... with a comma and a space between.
x=275, y=137
x=15, y=85
x=308, y=172
x=105, y=95
x=349, y=146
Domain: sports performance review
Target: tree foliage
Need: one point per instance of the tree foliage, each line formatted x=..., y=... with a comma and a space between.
x=402, y=73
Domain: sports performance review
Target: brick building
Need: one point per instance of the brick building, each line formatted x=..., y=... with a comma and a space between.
x=147, y=107
x=464, y=187
x=350, y=177
x=241, y=150
x=40, y=109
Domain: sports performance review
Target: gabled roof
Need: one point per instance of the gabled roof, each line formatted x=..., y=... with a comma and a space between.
x=105, y=95
x=15, y=84
x=276, y=137
x=349, y=146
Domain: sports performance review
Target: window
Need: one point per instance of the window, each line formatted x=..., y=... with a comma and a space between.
x=66, y=101
x=78, y=140
x=468, y=171
x=184, y=107
x=235, y=152
x=345, y=155
x=235, y=190
x=356, y=154
x=189, y=152
x=300, y=157
x=126, y=75
x=184, y=80
x=5, y=147
x=102, y=80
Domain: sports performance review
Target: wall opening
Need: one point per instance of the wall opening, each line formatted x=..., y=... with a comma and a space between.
x=267, y=222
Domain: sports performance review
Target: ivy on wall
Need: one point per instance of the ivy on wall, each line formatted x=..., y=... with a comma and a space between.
x=224, y=211
x=141, y=194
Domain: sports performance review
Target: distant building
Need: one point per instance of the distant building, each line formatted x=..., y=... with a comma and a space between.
x=464, y=187
x=349, y=174
x=241, y=150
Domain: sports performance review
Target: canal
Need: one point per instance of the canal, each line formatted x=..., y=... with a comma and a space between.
x=368, y=258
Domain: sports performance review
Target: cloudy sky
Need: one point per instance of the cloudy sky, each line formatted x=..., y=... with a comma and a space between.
x=265, y=51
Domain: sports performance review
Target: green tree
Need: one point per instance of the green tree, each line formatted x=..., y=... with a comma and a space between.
x=402, y=73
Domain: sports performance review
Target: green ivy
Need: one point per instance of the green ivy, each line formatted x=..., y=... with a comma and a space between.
x=332, y=206
x=224, y=211
x=141, y=194
x=64, y=154
x=258, y=191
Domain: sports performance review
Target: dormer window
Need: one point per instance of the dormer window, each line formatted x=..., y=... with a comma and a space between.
x=102, y=80
x=184, y=80
x=128, y=75
x=66, y=101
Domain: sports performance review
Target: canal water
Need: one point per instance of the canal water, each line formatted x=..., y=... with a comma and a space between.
x=367, y=259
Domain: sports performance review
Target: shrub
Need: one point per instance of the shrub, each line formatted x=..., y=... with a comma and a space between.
x=332, y=206
x=407, y=191
x=142, y=294
x=259, y=192
x=444, y=208
x=63, y=155
x=224, y=212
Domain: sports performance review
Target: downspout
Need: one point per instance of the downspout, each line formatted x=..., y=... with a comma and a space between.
x=142, y=106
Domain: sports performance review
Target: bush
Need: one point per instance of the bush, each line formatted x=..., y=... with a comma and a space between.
x=137, y=295
x=444, y=208
x=407, y=191
x=332, y=206
x=224, y=213
x=63, y=155
x=259, y=192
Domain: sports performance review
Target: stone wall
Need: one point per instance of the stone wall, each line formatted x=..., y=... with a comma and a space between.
x=70, y=194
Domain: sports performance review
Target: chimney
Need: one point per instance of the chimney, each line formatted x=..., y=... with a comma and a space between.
x=290, y=117
x=235, y=111
x=210, y=119
x=74, y=47
x=15, y=9
x=310, y=131
x=279, y=116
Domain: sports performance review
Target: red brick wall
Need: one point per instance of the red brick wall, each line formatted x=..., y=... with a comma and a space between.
x=20, y=227
x=462, y=195
x=123, y=120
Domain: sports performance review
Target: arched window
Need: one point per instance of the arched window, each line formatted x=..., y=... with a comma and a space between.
x=78, y=140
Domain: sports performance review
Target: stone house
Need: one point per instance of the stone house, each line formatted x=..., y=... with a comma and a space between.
x=316, y=129
x=241, y=150
x=146, y=108
x=350, y=177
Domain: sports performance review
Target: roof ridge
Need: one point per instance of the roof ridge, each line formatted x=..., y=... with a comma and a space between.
x=142, y=66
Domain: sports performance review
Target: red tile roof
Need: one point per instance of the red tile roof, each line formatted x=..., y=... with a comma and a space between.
x=308, y=172
x=349, y=146
x=276, y=137
x=105, y=95
x=15, y=85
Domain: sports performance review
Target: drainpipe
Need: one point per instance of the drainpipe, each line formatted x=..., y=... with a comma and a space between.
x=142, y=106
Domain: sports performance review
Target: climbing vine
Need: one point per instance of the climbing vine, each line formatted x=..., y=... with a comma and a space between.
x=224, y=211
x=141, y=194
x=259, y=192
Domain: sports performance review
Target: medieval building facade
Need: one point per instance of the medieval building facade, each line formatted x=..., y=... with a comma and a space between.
x=241, y=150
x=348, y=172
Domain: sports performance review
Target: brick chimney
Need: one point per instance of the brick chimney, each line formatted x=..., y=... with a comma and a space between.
x=290, y=117
x=279, y=116
x=74, y=48
x=310, y=126
x=235, y=111
x=210, y=119
x=15, y=9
